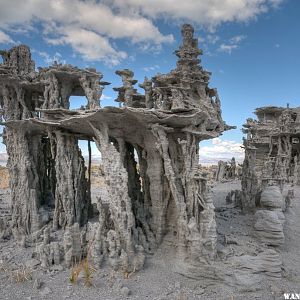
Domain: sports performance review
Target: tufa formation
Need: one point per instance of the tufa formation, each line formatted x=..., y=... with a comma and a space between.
x=150, y=155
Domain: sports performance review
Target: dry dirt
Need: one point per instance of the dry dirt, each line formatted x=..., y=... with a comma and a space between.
x=158, y=280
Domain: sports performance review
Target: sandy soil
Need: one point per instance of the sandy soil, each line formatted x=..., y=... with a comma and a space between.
x=158, y=280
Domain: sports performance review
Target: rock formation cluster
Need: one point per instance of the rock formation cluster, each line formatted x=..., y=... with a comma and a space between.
x=272, y=152
x=164, y=198
x=227, y=170
x=270, y=168
x=157, y=196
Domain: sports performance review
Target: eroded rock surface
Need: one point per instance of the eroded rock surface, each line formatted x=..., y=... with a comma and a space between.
x=150, y=155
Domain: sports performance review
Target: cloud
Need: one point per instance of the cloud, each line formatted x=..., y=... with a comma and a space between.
x=90, y=27
x=50, y=60
x=232, y=44
x=104, y=97
x=237, y=39
x=152, y=68
x=91, y=46
x=205, y=12
x=5, y=39
x=227, y=48
x=212, y=39
x=221, y=150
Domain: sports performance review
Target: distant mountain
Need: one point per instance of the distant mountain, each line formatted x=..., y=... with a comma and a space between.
x=95, y=159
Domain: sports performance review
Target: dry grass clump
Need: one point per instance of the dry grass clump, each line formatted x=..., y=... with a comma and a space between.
x=19, y=275
x=84, y=267
x=127, y=274
x=22, y=274
x=182, y=295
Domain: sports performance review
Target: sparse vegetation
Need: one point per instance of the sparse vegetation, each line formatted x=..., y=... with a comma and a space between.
x=84, y=267
x=88, y=271
x=182, y=295
x=4, y=267
x=22, y=274
x=19, y=275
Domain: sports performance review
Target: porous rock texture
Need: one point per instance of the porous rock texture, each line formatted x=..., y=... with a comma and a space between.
x=4, y=178
x=150, y=155
x=271, y=197
x=269, y=221
x=272, y=151
x=226, y=170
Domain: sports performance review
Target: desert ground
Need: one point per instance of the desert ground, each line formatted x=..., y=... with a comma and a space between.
x=158, y=280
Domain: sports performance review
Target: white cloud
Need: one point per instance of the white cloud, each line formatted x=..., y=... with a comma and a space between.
x=50, y=60
x=5, y=39
x=212, y=39
x=227, y=48
x=221, y=150
x=87, y=26
x=90, y=45
x=237, y=39
x=152, y=68
x=104, y=97
x=90, y=27
x=209, y=13
x=232, y=44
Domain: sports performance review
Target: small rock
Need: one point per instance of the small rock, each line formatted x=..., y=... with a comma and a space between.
x=45, y=292
x=177, y=285
x=274, y=289
x=117, y=285
x=37, y=284
x=125, y=291
x=230, y=241
x=31, y=263
x=199, y=291
x=22, y=242
x=57, y=268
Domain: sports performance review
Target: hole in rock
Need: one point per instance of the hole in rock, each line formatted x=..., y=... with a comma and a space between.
x=77, y=102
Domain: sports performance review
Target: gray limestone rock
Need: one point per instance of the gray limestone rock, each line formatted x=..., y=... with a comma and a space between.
x=271, y=197
x=269, y=227
x=271, y=154
x=249, y=270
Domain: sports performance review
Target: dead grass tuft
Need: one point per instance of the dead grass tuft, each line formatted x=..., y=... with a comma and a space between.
x=4, y=267
x=182, y=295
x=21, y=275
x=84, y=267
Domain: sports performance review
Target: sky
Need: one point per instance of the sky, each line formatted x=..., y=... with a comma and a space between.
x=252, y=48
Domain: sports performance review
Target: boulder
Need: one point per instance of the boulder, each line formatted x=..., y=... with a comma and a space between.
x=272, y=198
x=269, y=227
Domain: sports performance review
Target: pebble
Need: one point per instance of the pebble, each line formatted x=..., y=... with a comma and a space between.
x=177, y=285
x=57, y=268
x=199, y=291
x=125, y=291
x=31, y=263
x=45, y=292
x=37, y=284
